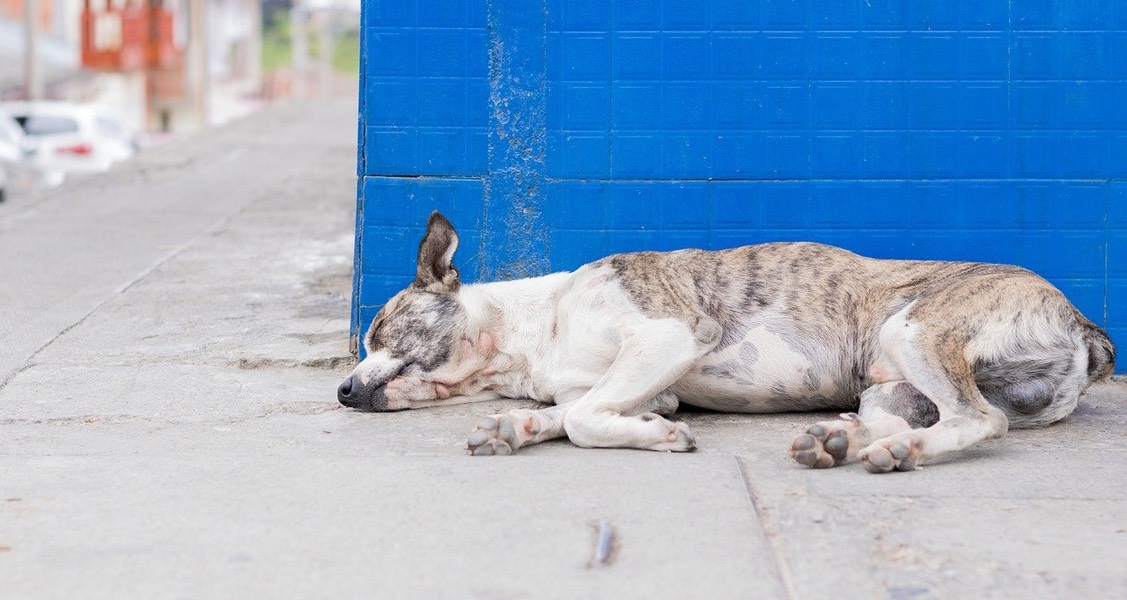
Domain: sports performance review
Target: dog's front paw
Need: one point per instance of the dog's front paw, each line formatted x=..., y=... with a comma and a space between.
x=492, y=435
x=677, y=436
x=899, y=452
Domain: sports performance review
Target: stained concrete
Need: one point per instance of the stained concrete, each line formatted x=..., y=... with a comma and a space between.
x=171, y=340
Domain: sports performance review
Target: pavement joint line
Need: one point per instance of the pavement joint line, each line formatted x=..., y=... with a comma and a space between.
x=124, y=288
x=782, y=567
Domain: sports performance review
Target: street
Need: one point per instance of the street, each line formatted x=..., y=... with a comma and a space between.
x=172, y=337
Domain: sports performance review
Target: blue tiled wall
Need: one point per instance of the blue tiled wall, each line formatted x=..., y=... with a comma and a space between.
x=555, y=132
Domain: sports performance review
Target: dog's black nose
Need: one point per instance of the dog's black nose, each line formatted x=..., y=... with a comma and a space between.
x=344, y=393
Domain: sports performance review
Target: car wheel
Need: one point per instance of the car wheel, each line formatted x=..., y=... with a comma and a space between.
x=3, y=195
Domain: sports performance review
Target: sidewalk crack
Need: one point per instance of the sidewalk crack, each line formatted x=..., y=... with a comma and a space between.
x=762, y=513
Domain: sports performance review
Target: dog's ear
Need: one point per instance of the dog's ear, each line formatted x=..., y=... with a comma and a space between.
x=436, y=272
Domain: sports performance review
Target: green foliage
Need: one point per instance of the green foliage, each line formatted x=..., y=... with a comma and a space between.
x=276, y=40
x=277, y=45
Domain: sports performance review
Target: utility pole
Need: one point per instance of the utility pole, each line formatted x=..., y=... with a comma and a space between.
x=33, y=75
x=299, y=50
x=199, y=78
x=324, y=54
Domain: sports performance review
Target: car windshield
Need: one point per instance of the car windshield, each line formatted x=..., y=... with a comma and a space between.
x=45, y=125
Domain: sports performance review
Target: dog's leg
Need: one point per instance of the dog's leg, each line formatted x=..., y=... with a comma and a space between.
x=654, y=354
x=936, y=366
x=505, y=433
x=886, y=409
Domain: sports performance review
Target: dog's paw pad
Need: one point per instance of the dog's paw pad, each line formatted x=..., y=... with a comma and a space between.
x=820, y=447
x=877, y=460
x=492, y=436
x=886, y=455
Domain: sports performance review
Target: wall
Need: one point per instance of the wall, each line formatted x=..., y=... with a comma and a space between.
x=555, y=132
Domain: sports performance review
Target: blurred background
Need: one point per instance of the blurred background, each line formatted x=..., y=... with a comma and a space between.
x=87, y=83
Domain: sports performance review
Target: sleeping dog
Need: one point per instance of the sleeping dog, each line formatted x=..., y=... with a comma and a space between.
x=932, y=356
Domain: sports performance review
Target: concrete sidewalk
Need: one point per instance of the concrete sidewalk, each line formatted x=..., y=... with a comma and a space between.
x=171, y=340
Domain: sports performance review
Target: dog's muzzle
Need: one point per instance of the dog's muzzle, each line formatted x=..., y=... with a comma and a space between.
x=354, y=394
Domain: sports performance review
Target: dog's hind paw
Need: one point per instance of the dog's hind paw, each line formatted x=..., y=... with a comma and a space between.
x=896, y=452
x=492, y=435
x=824, y=444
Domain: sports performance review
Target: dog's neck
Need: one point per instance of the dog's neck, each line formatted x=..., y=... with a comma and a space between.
x=519, y=316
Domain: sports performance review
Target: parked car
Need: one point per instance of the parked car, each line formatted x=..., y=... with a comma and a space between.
x=15, y=153
x=73, y=138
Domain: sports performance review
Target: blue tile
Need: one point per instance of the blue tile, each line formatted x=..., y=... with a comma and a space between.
x=1084, y=55
x=735, y=56
x=836, y=156
x=1034, y=56
x=392, y=13
x=637, y=56
x=443, y=102
x=686, y=106
x=934, y=56
x=881, y=16
x=885, y=154
x=985, y=15
x=1083, y=155
x=585, y=15
x=736, y=106
x=1035, y=105
x=636, y=157
x=786, y=106
x=687, y=156
x=935, y=106
x=1034, y=15
x=584, y=107
x=390, y=152
x=686, y=15
x=735, y=16
x=389, y=53
x=1086, y=14
x=984, y=56
x=391, y=102
x=442, y=13
x=1086, y=105
x=837, y=15
x=737, y=156
x=785, y=57
x=784, y=15
x=985, y=106
x=638, y=15
x=883, y=55
x=835, y=105
x=442, y=52
x=836, y=56
x=1035, y=155
x=637, y=106
x=884, y=105
x=936, y=15
x=586, y=56
x=687, y=56
x=787, y=156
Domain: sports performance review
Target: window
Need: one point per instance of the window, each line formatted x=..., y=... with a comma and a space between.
x=42, y=125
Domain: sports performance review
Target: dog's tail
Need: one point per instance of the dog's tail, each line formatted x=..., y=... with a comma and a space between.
x=1101, y=351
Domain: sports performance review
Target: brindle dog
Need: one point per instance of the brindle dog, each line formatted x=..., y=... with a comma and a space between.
x=933, y=356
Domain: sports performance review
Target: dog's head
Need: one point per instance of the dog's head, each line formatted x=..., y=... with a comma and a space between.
x=421, y=348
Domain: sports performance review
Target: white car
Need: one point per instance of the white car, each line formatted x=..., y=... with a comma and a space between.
x=16, y=151
x=73, y=138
